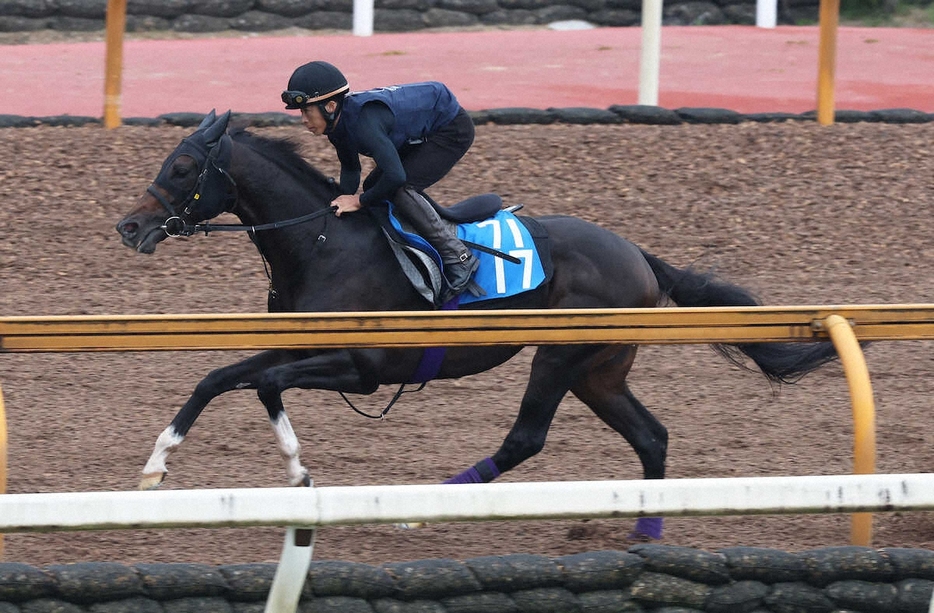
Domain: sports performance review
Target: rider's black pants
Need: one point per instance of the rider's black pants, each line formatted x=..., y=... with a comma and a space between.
x=427, y=162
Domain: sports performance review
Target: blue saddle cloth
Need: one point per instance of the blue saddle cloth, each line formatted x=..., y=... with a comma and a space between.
x=498, y=277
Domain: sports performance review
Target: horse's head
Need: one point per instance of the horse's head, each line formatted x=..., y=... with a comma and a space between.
x=192, y=186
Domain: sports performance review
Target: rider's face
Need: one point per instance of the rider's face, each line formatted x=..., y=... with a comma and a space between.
x=313, y=119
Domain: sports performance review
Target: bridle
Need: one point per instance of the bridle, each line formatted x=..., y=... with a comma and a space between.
x=214, y=192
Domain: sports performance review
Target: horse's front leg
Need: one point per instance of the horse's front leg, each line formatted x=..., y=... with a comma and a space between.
x=342, y=370
x=242, y=375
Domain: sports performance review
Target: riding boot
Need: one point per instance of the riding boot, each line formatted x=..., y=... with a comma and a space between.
x=459, y=263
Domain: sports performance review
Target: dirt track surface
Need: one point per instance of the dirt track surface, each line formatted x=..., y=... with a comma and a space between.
x=799, y=213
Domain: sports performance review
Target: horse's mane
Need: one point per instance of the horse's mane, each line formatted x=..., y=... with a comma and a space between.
x=284, y=153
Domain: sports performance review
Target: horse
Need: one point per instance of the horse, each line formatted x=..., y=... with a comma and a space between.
x=318, y=262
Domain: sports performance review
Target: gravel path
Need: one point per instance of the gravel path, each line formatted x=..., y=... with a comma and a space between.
x=798, y=213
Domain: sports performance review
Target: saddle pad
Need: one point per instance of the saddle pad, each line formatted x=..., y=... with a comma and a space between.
x=499, y=278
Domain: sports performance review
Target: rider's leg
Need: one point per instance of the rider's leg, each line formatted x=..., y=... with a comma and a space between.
x=425, y=164
x=459, y=263
x=429, y=161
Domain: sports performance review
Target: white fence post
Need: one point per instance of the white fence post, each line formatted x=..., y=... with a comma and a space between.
x=766, y=13
x=363, y=17
x=286, y=589
x=651, y=51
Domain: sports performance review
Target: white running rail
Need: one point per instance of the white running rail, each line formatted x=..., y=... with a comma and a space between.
x=304, y=509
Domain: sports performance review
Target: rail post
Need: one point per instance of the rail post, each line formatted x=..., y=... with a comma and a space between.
x=864, y=414
x=116, y=24
x=827, y=60
x=3, y=455
x=651, y=50
x=287, y=583
x=363, y=17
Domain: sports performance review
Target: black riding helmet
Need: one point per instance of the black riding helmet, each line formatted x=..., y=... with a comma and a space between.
x=316, y=83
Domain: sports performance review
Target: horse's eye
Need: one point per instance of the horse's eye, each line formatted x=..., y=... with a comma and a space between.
x=180, y=171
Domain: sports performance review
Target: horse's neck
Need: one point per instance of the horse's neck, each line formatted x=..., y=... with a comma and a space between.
x=325, y=263
x=263, y=200
x=268, y=194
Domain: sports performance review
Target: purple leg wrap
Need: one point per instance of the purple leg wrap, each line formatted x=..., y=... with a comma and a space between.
x=472, y=474
x=493, y=470
x=648, y=527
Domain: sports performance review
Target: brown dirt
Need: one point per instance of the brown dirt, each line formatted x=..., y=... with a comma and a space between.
x=799, y=213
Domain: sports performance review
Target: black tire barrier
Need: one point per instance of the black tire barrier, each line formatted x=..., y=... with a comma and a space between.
x=207, y=16
x=616, y=114
x=647, y=577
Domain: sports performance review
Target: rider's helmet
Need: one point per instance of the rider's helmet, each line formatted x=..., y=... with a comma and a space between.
x=316, y=83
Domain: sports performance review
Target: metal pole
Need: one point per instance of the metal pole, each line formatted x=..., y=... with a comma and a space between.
x=3, y=457
x=864, y=415
x=827, y=60
x=363, y=17
x=651, y=51
x=116, y=24
x=766, y=13
x=292, y=572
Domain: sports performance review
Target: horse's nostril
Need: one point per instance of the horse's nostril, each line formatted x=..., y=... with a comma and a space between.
x=127, y=228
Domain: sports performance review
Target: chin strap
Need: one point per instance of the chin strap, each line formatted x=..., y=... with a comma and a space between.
x=329, y=118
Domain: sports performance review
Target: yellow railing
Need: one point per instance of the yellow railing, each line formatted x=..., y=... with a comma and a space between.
x=845, y=326
x=459, y=328
x=864, y=415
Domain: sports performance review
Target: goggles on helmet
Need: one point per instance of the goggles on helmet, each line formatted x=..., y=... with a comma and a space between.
x=294, y=99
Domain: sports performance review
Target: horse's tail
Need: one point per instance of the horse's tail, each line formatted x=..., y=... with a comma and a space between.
x=780, y=362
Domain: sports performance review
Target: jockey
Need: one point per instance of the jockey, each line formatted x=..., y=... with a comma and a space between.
x=414, y=133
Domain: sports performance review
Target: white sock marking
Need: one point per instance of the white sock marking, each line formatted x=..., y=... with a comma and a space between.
x=289, y=448
x=167, y=442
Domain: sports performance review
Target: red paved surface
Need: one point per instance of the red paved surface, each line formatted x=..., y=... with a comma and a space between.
x=746, y=69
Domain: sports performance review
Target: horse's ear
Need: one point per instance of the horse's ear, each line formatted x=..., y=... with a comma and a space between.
x=208, y=120
x=216, y=129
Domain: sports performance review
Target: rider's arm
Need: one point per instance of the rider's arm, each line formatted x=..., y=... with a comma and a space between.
x=350, y=170
x=373, y=128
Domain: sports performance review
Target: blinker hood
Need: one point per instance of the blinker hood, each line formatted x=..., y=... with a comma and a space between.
x=211, y=148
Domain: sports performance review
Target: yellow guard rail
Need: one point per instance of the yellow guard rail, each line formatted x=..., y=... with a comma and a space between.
x=845, y=326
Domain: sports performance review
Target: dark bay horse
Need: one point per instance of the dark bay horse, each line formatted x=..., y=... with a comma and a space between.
x=325, y=263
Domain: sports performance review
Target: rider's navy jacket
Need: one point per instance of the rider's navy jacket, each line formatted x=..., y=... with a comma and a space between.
x=417, y=110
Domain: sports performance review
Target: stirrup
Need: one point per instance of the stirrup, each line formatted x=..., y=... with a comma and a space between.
x=461, y=271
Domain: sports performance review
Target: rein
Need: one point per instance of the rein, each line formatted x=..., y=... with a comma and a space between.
x=175, y=226
x=385, y=411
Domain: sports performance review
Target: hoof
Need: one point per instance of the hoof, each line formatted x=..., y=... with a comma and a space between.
x=303, y=481
x=151, y=481
x=638, y=537
x=415, y=525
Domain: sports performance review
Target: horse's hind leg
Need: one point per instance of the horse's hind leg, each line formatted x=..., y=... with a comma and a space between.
x=554, y=370
x=605, y=391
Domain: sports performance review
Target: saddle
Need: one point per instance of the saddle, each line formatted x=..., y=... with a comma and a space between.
x=513, y=251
